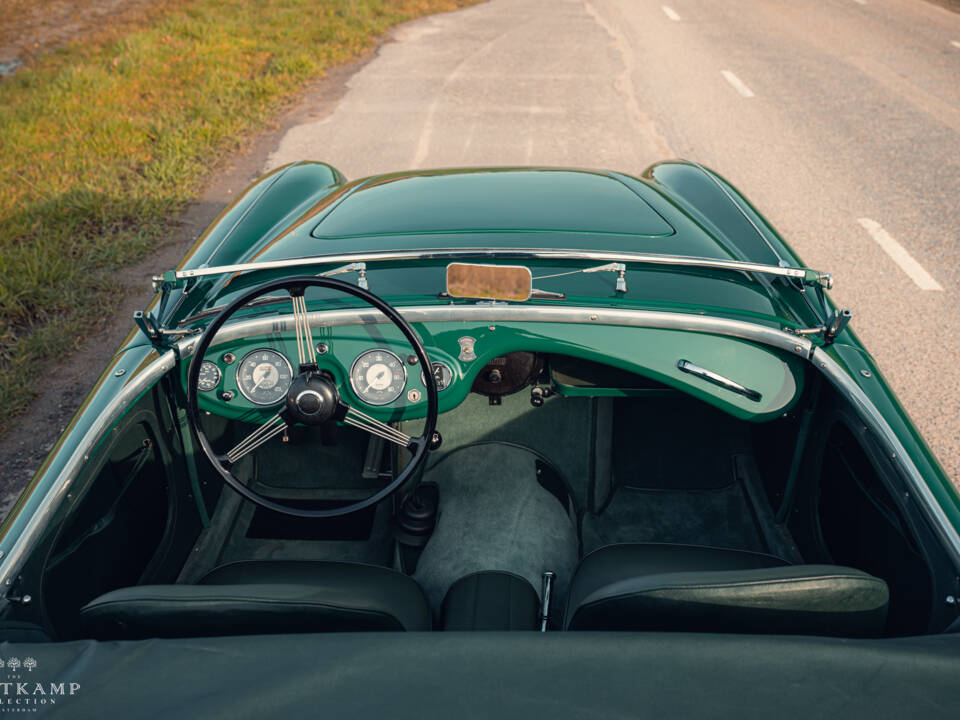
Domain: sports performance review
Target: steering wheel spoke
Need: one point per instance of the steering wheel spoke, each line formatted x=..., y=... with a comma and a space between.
x=306, y=352
x=358, y=419
x=269, y=430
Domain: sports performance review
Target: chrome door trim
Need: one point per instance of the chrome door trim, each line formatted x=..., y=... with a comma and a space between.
x=25, y=542
x=873, y=419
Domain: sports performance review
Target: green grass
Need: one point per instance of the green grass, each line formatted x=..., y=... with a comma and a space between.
x=102, y=143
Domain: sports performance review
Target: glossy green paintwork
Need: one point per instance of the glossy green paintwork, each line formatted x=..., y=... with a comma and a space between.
x=278, y=215
x=499, y=208
x=646, y=351
x=505, y=202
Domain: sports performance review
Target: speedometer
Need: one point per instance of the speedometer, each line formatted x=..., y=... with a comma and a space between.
x=378, y=377
x=264, y=376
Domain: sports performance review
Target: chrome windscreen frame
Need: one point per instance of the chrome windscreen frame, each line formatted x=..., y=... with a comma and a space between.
x=175, y=278
x=17, y=550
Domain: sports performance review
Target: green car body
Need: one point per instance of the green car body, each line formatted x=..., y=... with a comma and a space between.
x=698, y=272
x=675, y=208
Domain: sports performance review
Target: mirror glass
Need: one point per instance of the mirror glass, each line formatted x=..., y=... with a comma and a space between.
x=493, y=282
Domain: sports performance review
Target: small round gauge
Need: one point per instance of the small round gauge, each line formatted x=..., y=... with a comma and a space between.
x=378, y=377
x=264, y=376
x=209, y=376
x=442, y=375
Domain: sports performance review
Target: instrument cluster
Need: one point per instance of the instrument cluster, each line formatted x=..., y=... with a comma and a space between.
x=377, y=376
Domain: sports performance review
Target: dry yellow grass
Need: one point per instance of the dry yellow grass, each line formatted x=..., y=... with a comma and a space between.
x=103, y=141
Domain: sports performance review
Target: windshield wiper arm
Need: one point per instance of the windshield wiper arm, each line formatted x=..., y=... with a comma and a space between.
x=619, y=268
x=357, y=267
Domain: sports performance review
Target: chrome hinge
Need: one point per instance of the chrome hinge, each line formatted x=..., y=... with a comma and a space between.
x=836, y=325
x=155, y=333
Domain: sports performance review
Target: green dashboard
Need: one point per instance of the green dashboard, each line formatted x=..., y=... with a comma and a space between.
x=245, y=378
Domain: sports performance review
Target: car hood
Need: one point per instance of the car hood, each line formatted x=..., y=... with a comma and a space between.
x=490, y=207
x=310, y=210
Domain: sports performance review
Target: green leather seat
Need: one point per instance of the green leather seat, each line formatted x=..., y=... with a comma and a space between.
x=703, y=589
x=261, y=597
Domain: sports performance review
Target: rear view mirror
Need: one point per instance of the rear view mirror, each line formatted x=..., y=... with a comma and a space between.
x=490, y=282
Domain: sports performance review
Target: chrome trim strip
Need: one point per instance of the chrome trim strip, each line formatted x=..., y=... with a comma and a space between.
x=137, y=385
x=516, y=313
x=876, y=422
x=824, y=279
x=718, y=380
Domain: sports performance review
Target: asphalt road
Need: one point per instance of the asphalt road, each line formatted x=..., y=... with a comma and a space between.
x=840, y=120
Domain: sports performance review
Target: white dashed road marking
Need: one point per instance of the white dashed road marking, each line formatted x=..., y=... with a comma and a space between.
x=737, y=83
x=899, y=253
x=670, y=12
x=955, y=43
x=860, y=2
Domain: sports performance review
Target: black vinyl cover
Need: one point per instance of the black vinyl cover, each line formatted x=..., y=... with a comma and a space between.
x=689, y=588
x=255, y=597
x=502, y=675
x=491, y=600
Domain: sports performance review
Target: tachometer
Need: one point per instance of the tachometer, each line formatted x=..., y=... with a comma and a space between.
x=209, y=376
x=378, y=377
x=264, y=376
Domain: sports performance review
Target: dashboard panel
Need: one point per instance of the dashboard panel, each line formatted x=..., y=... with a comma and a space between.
x=376, y=372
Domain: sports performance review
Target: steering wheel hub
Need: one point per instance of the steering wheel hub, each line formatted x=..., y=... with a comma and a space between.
x=312, y=399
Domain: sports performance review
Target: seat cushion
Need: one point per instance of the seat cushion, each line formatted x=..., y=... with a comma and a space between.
x=491, y=600
x=257, y=597
x=700, y=589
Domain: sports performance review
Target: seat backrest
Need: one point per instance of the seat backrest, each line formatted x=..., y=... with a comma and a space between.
x=790, y=599
x=261, y=597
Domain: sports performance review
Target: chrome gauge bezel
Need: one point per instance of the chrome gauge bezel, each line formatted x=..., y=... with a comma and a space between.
x=206, y=365
x=243, y=390
x=356, y=390
x=440, y=386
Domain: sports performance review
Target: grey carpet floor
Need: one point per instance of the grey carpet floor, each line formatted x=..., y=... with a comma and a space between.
x=720, y=517
x=494, y=515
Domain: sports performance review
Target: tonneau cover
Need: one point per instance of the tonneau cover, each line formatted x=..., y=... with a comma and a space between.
x=498, y=675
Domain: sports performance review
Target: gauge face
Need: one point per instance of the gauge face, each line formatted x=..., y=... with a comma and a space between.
x=378, y=377
x=442, y=375
x=209, y=376
x=264, y=376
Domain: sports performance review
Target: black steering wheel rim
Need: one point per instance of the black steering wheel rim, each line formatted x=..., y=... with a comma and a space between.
x=420, y=446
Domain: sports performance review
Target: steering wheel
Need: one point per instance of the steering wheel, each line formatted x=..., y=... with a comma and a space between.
x=312, y=398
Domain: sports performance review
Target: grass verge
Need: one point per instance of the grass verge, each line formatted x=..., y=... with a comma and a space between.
x=103, y=142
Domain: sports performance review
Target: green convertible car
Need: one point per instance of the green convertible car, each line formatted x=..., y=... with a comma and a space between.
x=600, y=445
